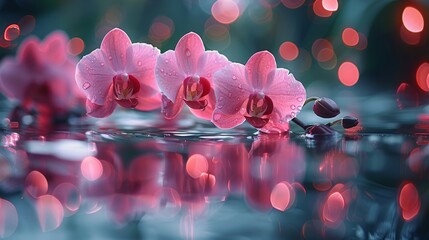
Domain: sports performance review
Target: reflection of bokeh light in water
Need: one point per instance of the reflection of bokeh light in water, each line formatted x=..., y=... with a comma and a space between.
x=333, y=209
x=75, y=46
x=292, y=4
x=350, y=37
x=409, y=201
x=49, y=212
x=288, y=51
x=11, y=32
x=161, y=29
x=69, y=196
x=36, y=184
x=27, y=24
x=412, y=20
x=8, y=218
x=330, y=5
x=411, y=38
x=422, y=76
x=319, y=10
x=348, y=74
x=91, y=168
x=225, y=11
x=281, y=197
x=197, y=165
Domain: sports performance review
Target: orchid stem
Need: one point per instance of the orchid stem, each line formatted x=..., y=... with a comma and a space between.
x=333, y=123
x=310, y=99
x=300, y=123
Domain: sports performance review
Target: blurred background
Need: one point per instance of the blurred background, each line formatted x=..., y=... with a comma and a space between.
x=362, y=46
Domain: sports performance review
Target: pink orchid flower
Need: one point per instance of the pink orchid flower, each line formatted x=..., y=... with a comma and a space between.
x=185, y=76
x=42, y=75
x=266, y=96
x=119, y=72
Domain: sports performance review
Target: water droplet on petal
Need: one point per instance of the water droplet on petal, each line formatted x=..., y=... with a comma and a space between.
x=240, y=86
x=299, y=99
x=229, y=94
x=187, y=52
x=86, y=85
x=102, y=64
x=166, y=61
x=234, y=77
x=220, y=106
x=139, y=63
x=162, y=70
x=293, y=107
x=293, y=114
x=220, y=99
x=299, y=108
x=110, y=58
x=216, y=116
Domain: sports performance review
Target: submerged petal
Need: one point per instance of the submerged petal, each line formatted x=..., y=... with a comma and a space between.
x=287, y=94
x=141, y=60
x=168, y=75
x=258, y=67
x=115, y=45
x=94, y=76
x=188, y=50
x=231, y=88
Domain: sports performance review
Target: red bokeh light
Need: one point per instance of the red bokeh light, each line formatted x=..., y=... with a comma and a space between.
x=322, y=50
x=350, y=37
x=282, y=196
x=225, y=11
x=411, y=38
x=50, y=212
x=330, y=5
x=197, y=165
x=161, y=29
x=333, y=209
x=422, y=76
x=8, y=218
x=409, y=201
x=36, y=184
x=413, y=19
x=75, y=46
x=319, y=10
x=91, y=168
x=348, y=74
x=288, y=51
x=292, y=4
x=11, y=32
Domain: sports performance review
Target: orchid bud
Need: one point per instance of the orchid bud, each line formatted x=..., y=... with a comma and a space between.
x=319, y=130
x=349, y=122
x=325, y=108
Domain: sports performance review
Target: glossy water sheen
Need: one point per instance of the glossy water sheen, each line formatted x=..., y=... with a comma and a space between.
x=149, y=179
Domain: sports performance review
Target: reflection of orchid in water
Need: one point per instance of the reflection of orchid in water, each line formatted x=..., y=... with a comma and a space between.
x=41, y=77
x=274, y=165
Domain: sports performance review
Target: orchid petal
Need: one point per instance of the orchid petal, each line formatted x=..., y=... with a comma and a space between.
x=29, y=54
x=168, y=75
x=225, y=121
x=149, y=103
x=188, y=50
x=275, y=125
x=210, y=62
x=13, y=81
x=94, y=76
x=258, y=67
x=207, y=112
x=55, y=46
x=103, y=110
x=288, y=94
x=141, y=60
x=115, y=45
x=169, y=108
x=231, y=88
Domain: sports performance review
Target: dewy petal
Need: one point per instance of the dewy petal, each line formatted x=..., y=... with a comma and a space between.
x=275, y=125
x=288, y=94
x=207, y=112
x=188, y=50
x=168, y=75
x=258, y=67
x=141, y=60
x=170, y=109
x=101, y=111
x=94, y=76
x=115, y=45
x=231, y=88
x=13, y=79
x=210, y=62
x=29, y=54
x=55, y=46
x=226, y=121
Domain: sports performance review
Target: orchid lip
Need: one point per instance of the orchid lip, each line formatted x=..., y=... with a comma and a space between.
x=259, y=107
x=194, y=90
x=125, y=87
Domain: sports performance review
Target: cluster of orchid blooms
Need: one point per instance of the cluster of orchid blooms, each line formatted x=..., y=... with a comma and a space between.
x=138, y=76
